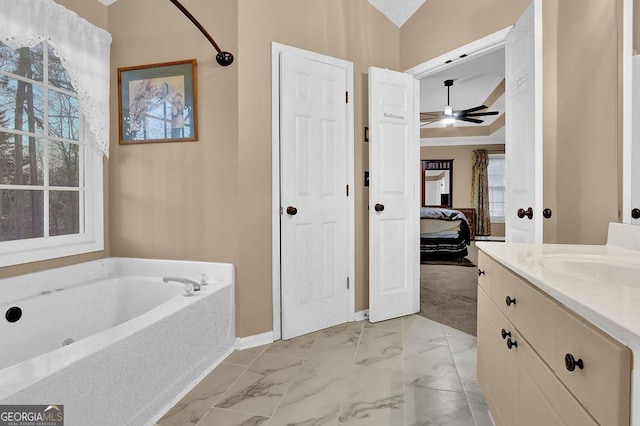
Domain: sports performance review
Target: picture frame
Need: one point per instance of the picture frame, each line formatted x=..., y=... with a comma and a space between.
x=158, y=103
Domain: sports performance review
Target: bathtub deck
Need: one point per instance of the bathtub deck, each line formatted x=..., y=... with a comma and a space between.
x=408, y=370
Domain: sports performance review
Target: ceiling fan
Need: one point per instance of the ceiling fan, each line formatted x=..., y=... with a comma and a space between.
x=448, y=116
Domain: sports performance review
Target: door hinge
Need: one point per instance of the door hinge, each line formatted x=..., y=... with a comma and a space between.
x=347, y=190
x=346, y=97
x=347, y=283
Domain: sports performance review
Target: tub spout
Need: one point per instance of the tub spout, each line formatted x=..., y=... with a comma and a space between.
x=196, y=285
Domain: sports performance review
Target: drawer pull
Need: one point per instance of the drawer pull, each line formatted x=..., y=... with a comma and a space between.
x=505, y=333
x=571, y=363
x=511, y=343
x=510, y=301
x=480, y=272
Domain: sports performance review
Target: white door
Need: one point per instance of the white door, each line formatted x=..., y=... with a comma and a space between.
x=523, y=166
x=634, y=164
x=314, y=211
x=394, y=195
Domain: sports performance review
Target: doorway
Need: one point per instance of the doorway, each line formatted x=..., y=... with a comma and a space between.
x=475, y=84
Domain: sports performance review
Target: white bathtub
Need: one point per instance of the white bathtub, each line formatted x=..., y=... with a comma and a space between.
x=138, y=343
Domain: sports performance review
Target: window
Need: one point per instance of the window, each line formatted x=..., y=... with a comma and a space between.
x=50, y=179
x=495, y=172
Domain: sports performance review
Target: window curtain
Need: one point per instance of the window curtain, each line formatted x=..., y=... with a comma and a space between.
x=83, y=50
x=480, y=191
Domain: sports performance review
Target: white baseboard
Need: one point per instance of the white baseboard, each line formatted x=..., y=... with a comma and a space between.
x=362, y=315
x=253, y=341
x=488, y=238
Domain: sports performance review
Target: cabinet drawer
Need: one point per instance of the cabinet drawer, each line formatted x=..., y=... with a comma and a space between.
x=484, y=272
x=532, y=313
x=603, y=384
x=541, y=398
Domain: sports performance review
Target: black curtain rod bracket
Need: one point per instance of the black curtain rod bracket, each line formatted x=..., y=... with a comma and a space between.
x=223, y=58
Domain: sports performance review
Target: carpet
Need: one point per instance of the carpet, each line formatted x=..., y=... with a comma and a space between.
x=448, y=293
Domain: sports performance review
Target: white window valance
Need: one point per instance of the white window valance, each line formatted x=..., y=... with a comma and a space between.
x=82, y=48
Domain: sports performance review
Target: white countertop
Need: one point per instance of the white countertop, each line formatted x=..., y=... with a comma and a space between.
x=600, y=283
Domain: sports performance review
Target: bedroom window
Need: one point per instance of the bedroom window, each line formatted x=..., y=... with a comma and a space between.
x=53, y=116
x=495, y=171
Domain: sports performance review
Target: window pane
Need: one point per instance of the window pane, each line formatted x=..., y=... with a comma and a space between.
x=21, y=214
x=58, y=75
x=64, y=218
x=64, y=116
x=21, y=105
x=64, y=164
x=24, y=165
x=24, y=62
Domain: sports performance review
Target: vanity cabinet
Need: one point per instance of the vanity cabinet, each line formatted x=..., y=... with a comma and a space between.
x=538, y=363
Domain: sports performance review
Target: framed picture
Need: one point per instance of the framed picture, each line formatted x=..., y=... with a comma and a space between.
x=157, y=103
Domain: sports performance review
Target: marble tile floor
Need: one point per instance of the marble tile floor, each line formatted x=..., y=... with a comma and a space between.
x=405, y=371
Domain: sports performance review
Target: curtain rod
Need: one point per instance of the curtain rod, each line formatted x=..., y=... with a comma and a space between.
x=223, y=58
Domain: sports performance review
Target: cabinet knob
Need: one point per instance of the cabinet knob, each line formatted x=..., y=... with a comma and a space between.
x=480, y=272
x=528, y=213
x=635, y=213
x=511, y=343
x=509, y=301
x=546, y=213
x=571, y=363
x=505, y=333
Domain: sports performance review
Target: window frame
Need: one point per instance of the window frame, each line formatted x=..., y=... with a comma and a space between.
x=496, y=219
x=91, y=235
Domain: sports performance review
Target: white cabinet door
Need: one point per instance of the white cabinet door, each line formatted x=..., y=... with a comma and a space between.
x=314, y=216
x=523, y=171
x=633, y=174
x=394, y=195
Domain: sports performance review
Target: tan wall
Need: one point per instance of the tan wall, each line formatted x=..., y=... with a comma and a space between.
x=441, y=26
x=96, y=13
x=348, y=29
x=462, y=165
x=177, y=200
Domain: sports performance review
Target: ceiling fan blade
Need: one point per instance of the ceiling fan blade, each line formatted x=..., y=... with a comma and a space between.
x=470, y=120
x=467, y=111
x=430, y=114
x=422, y=124
x=482, y=114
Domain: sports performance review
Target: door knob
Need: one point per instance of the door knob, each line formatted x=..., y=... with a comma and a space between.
x=528, y=213
x=292, y=211
x=571, y=363
x=546, y=213
x=379, y=207
x=635, y=213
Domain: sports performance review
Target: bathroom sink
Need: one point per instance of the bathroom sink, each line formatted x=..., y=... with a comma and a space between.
x=594, y=268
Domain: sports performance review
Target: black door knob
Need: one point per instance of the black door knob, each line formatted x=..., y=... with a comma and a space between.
x=509, y=301
x=635, y=213
x=292, y=211
x=511, y=343
x=379, y=207
x=505, y=334
x=546, y=213
x=480, y=272
x=571, y=363
x=528, y=213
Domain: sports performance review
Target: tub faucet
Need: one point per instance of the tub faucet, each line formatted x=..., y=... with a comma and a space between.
x=196, y=285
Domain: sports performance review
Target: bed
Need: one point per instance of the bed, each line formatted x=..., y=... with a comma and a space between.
x=444, y=234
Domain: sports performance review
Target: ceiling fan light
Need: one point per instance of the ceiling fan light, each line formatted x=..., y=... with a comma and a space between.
x=448, y=110
x=448, y=122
